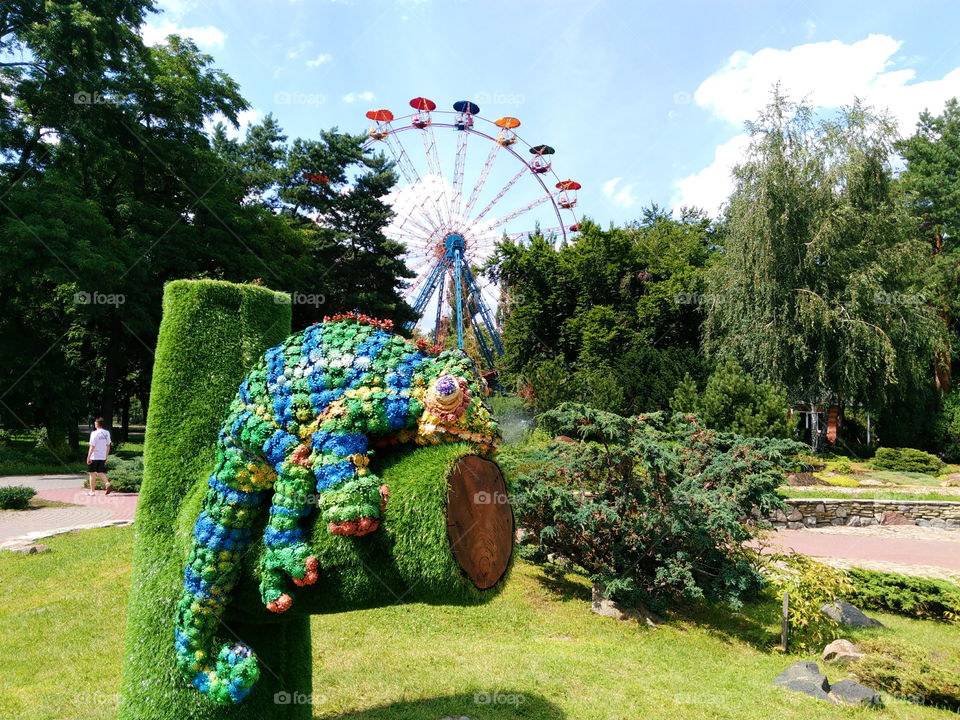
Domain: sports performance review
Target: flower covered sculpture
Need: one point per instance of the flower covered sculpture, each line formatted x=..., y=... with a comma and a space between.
x=295, y=449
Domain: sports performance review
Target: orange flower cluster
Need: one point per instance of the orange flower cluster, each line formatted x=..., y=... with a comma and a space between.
x=425, y=347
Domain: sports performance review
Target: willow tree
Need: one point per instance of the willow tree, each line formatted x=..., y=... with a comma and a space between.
x=822, y=288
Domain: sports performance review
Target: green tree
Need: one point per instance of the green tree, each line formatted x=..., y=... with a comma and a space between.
x=822, y=288
x=732, y=401
x=617, y=313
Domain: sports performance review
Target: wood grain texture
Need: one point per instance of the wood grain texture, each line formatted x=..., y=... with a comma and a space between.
x=479, y=520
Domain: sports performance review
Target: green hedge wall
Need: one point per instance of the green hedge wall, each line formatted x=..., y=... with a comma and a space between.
x=210, y=335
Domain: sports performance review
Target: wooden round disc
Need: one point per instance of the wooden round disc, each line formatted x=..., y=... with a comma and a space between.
x=479, y=520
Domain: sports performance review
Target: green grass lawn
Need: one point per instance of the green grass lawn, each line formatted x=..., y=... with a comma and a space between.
x=535, y=652
x=878, y=494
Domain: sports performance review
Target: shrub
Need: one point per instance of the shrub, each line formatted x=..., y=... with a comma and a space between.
x=843, y=466
x=907, y=672
x=906, y=460
x=947, y=427
x=840, y=480
x=6, y=438
x=652, y=509
x=15, y=497
x=905, y=594
x=811, y=585
x=733, y=401
x=124, y=475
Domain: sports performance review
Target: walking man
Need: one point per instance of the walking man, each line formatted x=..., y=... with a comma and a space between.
x=97, y=456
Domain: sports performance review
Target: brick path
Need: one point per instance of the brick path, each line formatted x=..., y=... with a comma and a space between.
x=21, y=526
x=938, y=553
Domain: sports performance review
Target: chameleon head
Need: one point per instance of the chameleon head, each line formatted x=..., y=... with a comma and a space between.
x=453, y=409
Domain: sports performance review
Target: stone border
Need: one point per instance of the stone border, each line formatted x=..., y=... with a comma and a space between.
x=854, y=512
x=28, y=538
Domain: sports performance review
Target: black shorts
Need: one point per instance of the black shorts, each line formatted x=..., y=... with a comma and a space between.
x=99, y=466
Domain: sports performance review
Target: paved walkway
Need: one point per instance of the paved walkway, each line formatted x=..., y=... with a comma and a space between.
x=18, y=527
x=897, y=546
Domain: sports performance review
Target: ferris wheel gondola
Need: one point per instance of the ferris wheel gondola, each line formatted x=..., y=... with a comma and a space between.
x=436, y=215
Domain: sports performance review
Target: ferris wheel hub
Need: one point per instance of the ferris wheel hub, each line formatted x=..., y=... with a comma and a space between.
x=454, y=242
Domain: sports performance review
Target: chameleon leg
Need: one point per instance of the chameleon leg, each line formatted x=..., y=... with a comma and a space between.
x=287, y=555
x=225, y=671
x=349, y=496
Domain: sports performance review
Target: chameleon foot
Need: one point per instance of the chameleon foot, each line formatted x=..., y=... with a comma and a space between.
x=310, y=575
x=281, y=604
x=356, y=528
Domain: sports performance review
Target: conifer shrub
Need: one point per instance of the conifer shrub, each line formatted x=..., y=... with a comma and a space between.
x=654, y=509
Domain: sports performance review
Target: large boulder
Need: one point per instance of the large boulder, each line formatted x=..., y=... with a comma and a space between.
x=892, y=517
x=850, y=692
x=848, y=615
x=805, y=677
x=842, y=652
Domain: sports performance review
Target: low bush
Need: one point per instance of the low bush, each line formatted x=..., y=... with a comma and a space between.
x=811, y=585
x=6, y=438
x=15, y=497
x=907, y=672
x=840, y=481
x=125, y=475
x=906, y=460
x=652, y=509
x=905, y=594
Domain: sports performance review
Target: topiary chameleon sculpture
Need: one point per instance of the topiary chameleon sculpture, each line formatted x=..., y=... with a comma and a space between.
x=296, y=443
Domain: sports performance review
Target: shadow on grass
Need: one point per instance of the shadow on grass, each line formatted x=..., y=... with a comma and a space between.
x=482, y=705
x=755, y=624
x=563, y=585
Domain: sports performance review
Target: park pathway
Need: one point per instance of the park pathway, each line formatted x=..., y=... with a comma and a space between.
x=905, y=548
x=19, y=527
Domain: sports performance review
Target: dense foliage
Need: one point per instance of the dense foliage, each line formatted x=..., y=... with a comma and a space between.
x=905, y=594
x=653, y=509
x=906, y=460
x=617, y=314
x=732, y=401
x=823, y=282
x=15, y=497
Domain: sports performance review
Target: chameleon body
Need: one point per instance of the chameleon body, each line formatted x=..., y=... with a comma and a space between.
x=295, y=448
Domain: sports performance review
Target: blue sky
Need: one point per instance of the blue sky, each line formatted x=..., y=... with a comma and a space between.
x=644, y=102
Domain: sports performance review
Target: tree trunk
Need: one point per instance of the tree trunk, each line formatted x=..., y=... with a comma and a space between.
x=814, y=428
x=125, y=419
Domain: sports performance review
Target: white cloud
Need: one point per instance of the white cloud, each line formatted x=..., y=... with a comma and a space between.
x=827, y=75
x=709, y=188
x=811, y=27
x=245, y=118
x=299, y=49
x=176, y=8
x=319, y=60
x=207, y=37
x=624, y=197
x=353, y=97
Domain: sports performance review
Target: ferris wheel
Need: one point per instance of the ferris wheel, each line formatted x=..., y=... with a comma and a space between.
x=450, y=217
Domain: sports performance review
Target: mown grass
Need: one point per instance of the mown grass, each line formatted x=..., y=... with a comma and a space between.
x=534, y=652
x=833, y=493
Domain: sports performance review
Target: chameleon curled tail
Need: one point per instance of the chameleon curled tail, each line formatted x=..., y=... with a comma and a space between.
x=221, y=535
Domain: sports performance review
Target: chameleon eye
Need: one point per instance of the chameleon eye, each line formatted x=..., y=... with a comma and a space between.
x=446, y=385
x=447, y=397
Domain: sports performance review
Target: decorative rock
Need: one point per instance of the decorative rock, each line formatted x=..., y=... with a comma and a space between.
x=853, y=693
x=844, y=613
x=795, y=516
x=30, y=549
x=611, y=609
x=810, y=521
x=854, y=521
x=895, y=518
x=805, y=677
x=842, y=652
x=794, y=525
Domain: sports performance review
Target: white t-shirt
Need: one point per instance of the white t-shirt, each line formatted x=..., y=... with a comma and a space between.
x=99, y=440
